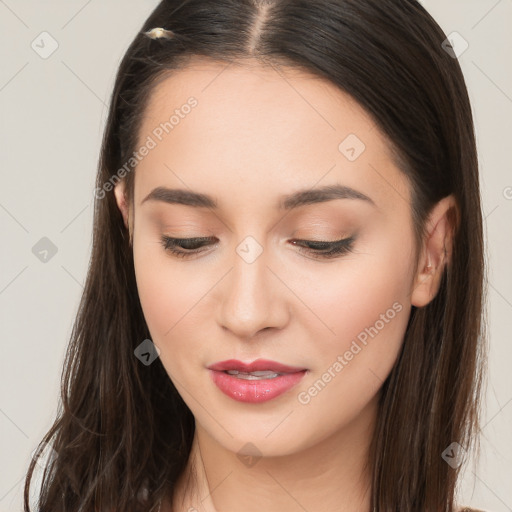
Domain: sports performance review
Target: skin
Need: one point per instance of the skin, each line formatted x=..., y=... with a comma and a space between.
x=257, y=134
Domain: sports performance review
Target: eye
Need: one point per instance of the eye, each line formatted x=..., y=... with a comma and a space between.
x=321, y=249
x=183, y=247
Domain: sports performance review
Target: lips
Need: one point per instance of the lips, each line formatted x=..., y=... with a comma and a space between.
x=248, y=382
x=255, y=366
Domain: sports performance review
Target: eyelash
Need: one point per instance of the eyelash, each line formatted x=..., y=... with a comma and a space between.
x=316, y=248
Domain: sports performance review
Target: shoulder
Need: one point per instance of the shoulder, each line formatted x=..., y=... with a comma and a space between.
x=468, y=509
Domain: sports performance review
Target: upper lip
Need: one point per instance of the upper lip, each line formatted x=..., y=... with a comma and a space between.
x=254, y=366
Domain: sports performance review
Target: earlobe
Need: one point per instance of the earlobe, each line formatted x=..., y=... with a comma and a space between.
x=437, y=251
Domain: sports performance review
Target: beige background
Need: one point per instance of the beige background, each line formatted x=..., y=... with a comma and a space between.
x=52, y=116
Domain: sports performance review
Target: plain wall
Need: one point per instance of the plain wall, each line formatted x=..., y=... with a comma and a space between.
x=53, y=112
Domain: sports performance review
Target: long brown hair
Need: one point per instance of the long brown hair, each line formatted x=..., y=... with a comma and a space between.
x=121, y=426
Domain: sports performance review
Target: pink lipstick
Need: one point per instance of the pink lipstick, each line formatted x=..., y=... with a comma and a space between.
x=255, y=382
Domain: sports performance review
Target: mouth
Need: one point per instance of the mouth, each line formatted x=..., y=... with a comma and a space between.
x=254, y=375
x=255, y=382
x=259, y=366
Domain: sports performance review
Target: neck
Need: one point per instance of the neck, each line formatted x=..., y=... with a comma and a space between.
x=330, y=475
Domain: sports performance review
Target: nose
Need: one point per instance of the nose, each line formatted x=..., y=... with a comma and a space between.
x=253, y=297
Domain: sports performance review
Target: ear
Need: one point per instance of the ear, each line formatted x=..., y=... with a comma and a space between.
x=436, y=252
x=122, y=203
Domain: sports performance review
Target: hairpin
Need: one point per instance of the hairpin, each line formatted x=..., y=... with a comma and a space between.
x=159, y=33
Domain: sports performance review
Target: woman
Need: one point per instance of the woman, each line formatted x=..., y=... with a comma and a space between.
x=284, y=305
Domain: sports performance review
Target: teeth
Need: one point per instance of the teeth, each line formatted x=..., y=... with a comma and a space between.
x=254, y=375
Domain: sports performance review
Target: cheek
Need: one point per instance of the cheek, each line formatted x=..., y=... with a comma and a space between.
x=362, y=314
x=176, y=303
x=167, y=293
x=368, y=312
x=352, y=294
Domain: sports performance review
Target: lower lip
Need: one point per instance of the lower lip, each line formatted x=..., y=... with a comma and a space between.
x=255, y=391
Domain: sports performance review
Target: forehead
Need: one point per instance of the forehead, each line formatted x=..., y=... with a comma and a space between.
x=255, y=92
x=268, y=127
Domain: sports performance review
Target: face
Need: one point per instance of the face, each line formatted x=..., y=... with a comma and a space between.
x=286, y=269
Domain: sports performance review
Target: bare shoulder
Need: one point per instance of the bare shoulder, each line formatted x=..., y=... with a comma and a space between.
x=467, y=509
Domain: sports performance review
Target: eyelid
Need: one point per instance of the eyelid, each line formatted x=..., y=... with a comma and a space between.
x=336, y=248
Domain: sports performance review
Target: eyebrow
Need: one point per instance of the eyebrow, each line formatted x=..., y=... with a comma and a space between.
x=287, y=202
